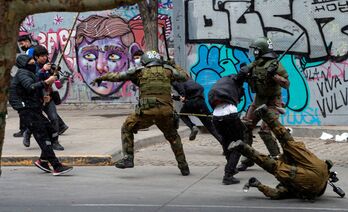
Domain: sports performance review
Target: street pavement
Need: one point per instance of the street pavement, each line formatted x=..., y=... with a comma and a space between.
x=155, y=184
x=148, y=188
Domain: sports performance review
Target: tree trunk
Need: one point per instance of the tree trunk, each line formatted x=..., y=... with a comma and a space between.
x=149, y=15
x=12, y=12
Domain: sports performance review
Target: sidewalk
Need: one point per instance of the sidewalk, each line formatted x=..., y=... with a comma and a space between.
x=94, y=138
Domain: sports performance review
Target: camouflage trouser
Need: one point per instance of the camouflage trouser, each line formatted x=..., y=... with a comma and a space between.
x=163, y=118
x=298, y=169
x=251, y=121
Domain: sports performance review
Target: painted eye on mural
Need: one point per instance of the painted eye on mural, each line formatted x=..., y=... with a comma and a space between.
x=90, y=57
x=114, y=57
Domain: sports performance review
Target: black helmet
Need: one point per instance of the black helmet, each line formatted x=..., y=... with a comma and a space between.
x=262, y=47
x=151, y=58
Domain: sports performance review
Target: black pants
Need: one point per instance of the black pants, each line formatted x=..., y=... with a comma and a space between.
x=52, y=114
x=55, y=120
x=231, y=128
x=22, y=127
x=42, y=130
x=198, y=106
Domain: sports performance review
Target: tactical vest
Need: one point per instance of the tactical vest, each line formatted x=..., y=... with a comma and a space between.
x=260, y=83
x=154, y=87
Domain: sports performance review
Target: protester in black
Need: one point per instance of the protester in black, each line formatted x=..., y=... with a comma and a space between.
x=25, y=44
x=26, y=96
x=43, y=71
x=192, y=95
x=224, y=97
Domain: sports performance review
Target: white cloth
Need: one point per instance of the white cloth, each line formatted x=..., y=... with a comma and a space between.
x=224, y=110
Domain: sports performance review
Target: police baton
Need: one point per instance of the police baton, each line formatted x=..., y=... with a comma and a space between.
x=195, y=114
x=165, y=42
x=66, y=45
x=286, y=51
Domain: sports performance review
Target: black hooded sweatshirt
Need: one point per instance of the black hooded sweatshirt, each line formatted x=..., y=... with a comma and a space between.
x=228, y=90
x=189, y=89
x=25, y=92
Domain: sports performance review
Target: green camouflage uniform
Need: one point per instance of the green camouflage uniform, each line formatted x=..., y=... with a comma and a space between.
x=154, y=107
x=301, y=174
x=268, y=92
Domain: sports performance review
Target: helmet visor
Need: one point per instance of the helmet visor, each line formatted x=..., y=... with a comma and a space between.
x=253, y=53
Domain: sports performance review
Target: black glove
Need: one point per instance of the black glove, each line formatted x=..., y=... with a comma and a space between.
x=272, y=70
x=176, y=98
x=253, y=182
x=243, y=73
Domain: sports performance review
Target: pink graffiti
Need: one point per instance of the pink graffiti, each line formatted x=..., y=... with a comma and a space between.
x=58, y=19
x=55, y=43
x=334, y=69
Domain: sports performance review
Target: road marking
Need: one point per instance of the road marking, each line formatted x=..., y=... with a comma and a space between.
x=211, y=206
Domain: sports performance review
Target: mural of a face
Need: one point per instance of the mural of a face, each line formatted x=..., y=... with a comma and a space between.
x=103, y=44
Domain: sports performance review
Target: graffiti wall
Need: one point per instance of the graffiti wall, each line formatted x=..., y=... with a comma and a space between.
x=100, y=42
x=213, y=40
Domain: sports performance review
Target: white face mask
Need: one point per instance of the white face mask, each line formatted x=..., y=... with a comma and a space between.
x=137, y=62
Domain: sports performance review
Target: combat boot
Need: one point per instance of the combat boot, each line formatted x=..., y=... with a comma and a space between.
x=193, y=134
x=26, y=138
x=185, y=171
x=229, y=179
x=126, y=162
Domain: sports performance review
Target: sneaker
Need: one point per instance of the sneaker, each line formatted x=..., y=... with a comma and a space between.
x=194, y=132
x=57, y=146
x=124, y=163
x=43, y=165
x=18, y=134
x=185, y=171
x=229, y=179
x=62, y=170
x=63, y=129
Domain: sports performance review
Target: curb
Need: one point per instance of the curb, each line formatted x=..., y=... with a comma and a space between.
x=78, y=160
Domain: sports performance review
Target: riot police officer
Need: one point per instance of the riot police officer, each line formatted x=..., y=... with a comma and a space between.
x=266, y=78
x=155, y=106
x=301, y=173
